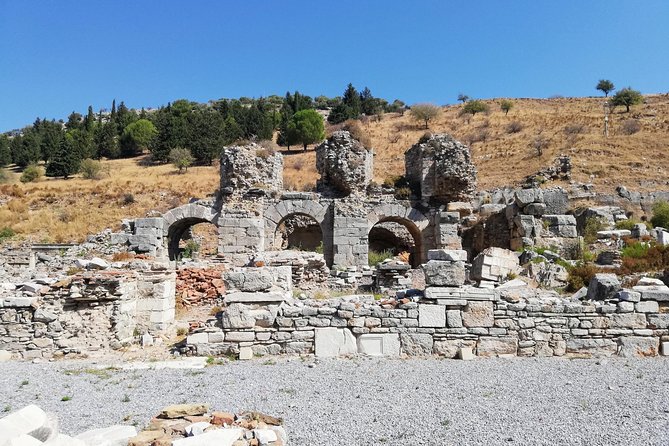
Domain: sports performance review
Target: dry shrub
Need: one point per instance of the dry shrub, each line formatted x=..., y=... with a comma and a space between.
x=574, y=129
x=355, y=129
x=17, y=206
x=480, y=135
x=630, y=127
x=514, y=127
x=298, y=164
x=123, y=256
x=580, y=275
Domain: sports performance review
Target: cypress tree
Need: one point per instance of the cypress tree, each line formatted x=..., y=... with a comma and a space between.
x=64, y=161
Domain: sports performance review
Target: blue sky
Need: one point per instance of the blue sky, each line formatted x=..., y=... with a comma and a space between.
x=60, y=56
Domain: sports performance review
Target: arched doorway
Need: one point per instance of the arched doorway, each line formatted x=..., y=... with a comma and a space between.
x=300, y=232
x=393, y=236
x=181, y=227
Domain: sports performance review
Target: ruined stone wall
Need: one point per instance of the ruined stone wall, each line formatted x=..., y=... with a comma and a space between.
x=499, y=322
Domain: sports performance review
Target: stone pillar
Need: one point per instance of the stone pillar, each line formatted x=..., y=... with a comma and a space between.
x=447, y=227
x=241, y=235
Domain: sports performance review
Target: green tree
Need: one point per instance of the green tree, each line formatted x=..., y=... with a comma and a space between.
x=5, y=151
x=181, y=158
x=231, y=130
x=463, y=98
x=626, y=97
x=605, y=86
x=25, y=148
x=474, y=107
x=308, y=127
x=660, y=215
x=124, y=117
x=106, y=140
x=64, y=161
x=89, y=121
x=424, y=112
x=137, y=137
x=348, y=108
x=207, y=128
x=74, y=121
x=506, y=105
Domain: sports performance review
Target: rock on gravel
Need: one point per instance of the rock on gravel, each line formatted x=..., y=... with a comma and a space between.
x=524, y=401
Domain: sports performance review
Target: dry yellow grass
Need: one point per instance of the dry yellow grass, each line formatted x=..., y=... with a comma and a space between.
x=59, y=210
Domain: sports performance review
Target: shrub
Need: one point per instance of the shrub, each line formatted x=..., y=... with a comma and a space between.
x=628, y=224
x=191, y=248
x=128, y=199
x=181, y=158
x=378, y=257
x=403, y=193
x=592, y=226
x=474, y=107
x=574, y=129
x=514, y=127
x=4, y=176
x=580, y=275
x=31, y=174
x=630, y=127
x=91, y=169
x=660, y=216
x=6, y=233
x=355, y=129
x=540, y=143
x=480, y=135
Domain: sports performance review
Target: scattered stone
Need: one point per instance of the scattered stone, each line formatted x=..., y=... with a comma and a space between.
x=183, y=410
x=603, y=287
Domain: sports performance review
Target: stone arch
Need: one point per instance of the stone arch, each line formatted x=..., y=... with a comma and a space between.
x=179, y=220
x=411, y=218
x=276, y=213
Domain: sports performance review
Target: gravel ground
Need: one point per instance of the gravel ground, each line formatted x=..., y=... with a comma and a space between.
x=526, y=401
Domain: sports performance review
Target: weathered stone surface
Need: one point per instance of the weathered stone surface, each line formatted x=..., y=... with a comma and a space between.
x=649, y=306
x=183, y=410
x=108, y=436
x=444, y=273
x=524, y=197
x=331, y=342
x=450, y=255
x=628, y=320
x=658, y=293
x=432, y=316
x=453, y=319
x=237, y=315
x=635, y=346
x=478, y=314
x=247, y=297
x=591, y=347
x=379, y=344
x=449, y=348
x=250, y=167
x=220, y=437
x=250, y=279
x=495, y=346
x=494, y=264
x=441, y=168
x=345, y=165
x=31, y=420
x=416, y=344
x=603, y=287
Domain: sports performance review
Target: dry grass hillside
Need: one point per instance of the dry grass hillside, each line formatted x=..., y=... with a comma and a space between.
x=502, y=145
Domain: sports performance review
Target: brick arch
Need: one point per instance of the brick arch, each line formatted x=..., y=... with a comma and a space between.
x=179, y=220
x=411, y=218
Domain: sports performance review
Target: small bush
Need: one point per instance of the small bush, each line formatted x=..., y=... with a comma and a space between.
x=480, y=135
x=128, y=199
x=630, y=127
x=574, y=129
x=580, y=275
x=540, y=143
x=592, y=226
x=514, y=127
x=378, y=257
x=635, y=250
x=403, y=193
x=660, y=216
x=181, y=158
x=6, y=233
x=91, y=169
x=355, y=129
x=31, y=174
x=123, y=256
x=191, y=248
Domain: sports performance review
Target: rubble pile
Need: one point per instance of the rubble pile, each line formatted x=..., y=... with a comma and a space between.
x=199, y=286
x=177, y=425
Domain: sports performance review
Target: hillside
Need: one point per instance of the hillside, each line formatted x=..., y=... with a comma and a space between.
x=67, y=210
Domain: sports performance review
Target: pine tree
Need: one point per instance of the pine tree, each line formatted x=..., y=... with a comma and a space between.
x=5, y=152
x=64, y=161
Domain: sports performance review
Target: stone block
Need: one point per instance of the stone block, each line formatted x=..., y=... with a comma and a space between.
x=665, y=348
x=453, y=319
x=450, y=255
x=431, y=316
x=629, y=295
x=416, y=344
x=658, y=293
x=250, y=297
x=444, y=273
x=523, y=197
x=649, y=306
x=461, y=207
x=636, y=346
x=496, y=346
x=240, y=336
x=660, y=321
x=250, y=279
x=591, y=347
x=628, y=320
x=108, y=436
x=466, y=353
x=218, y=437
x=603, y=287
x=197, y=338
x=332, y=342
x=245, y=353
x=380, y=344
x=31, y=420
x=478, y=314
x=494, y=264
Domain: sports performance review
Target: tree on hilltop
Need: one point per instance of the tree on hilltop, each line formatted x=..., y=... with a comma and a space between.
x=463, y=98
x=605, y=86
x=424, y=112
x=506, y=105
x=306, y=127
x=64, y=161
x=474, y=107
x=626, y=97
x=137, y=137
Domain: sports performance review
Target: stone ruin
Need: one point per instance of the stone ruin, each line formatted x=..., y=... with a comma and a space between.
x=456, y=294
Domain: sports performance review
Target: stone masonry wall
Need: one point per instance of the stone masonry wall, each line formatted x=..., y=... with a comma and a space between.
x=500, y=322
